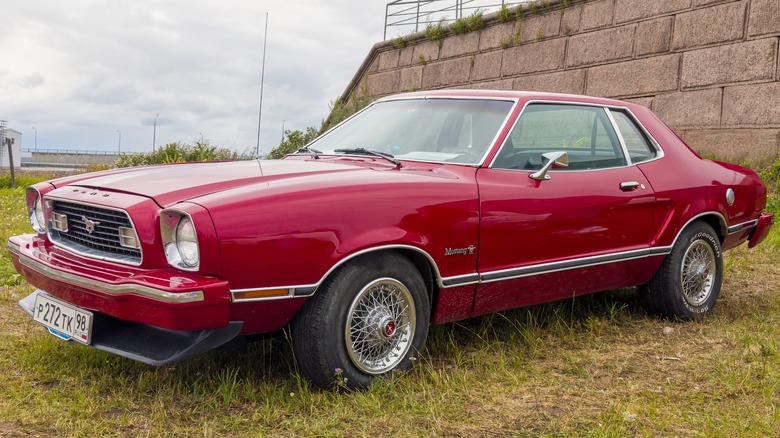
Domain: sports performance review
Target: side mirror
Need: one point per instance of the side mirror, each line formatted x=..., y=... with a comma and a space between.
x=555, y=160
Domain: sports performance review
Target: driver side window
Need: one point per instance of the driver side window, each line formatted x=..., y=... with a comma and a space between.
x=584, y=132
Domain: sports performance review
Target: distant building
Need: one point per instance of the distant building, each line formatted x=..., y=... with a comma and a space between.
x=15, y=138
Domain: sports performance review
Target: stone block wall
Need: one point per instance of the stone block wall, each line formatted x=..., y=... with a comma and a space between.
x=709, y=68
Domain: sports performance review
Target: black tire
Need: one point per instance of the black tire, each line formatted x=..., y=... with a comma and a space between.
x=365, y=303
x=688, y=282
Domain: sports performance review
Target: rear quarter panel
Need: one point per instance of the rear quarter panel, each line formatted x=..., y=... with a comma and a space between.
x=687, y=186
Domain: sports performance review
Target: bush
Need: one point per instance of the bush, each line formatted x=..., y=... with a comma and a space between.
x=293, y=141
x=340, y=111
x=181, y=153
x=96, y=167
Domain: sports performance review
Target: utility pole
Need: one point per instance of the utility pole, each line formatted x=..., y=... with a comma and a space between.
x=5, y=141
x=10, y=143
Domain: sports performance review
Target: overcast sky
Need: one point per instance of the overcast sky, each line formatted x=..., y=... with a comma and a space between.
x=79, y=70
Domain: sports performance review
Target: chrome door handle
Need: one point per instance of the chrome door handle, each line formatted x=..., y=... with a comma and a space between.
x=630, y=185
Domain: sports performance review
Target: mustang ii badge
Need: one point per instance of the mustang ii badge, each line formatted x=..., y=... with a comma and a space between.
x=90, y=224
x=459, y=251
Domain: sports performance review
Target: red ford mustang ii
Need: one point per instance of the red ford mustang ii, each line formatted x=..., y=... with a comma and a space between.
x=423, y=208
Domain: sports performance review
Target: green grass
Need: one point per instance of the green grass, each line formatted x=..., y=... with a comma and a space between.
x=468, y=24
x=504, y=15
x=591, y=366
x=435, y=32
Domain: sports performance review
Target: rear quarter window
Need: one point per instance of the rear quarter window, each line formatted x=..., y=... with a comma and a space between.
x=639, y=147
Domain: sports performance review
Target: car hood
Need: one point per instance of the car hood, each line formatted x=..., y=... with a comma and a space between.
x=168, y=184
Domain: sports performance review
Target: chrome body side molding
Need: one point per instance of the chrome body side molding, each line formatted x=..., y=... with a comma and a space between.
x=742, y=227
x=565, y=265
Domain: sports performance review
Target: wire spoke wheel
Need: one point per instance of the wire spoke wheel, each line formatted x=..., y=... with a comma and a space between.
x=688, y=283
x=698, y=273
x=368, y=319
x=380, y=326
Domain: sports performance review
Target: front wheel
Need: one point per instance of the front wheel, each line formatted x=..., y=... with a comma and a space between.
x=368, y=319
x=688, y=283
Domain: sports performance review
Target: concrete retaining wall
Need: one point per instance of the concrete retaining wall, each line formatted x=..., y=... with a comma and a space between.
x=708, y=68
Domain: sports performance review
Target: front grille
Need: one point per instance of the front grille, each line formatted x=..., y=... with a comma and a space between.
x=103, y=240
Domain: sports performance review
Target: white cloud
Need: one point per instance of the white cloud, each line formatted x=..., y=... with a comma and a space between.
x=79, y=70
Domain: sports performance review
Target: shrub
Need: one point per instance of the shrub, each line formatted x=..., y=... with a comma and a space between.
x=96, y=167
x=435, y=32
x=181, y=153
x=292, y=141
x=340, y=111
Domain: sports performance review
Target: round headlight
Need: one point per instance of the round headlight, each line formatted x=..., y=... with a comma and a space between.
x=36, y=216
x=187, y=242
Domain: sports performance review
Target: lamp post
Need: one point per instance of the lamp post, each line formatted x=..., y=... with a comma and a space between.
x=154, y=133
x=36, y=138
x=119, y=144
x=283, y=129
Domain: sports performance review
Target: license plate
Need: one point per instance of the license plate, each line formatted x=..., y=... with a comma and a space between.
x=63, y=320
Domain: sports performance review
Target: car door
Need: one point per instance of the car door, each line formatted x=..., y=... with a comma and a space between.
x=582, y=228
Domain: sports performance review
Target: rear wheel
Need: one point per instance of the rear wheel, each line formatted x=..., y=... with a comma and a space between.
x=368, y=319
x=688, y=283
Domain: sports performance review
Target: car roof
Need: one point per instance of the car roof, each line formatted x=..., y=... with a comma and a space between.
x=509, y=94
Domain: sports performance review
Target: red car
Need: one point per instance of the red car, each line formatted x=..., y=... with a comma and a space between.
x=423, y=208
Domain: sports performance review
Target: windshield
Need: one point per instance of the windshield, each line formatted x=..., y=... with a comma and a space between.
x=440, y=130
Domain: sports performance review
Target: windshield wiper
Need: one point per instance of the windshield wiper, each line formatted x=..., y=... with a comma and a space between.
x=364, y=151
x=309, y=150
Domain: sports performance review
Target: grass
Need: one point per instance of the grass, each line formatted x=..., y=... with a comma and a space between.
x=435, y=32
x=504, y=15
x=591, y=366
x=468, y=24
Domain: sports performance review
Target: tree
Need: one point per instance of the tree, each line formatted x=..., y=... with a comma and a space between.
x=293, y=140
x=339, y=111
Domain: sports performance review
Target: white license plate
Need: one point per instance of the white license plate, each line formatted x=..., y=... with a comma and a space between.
x=63, y=320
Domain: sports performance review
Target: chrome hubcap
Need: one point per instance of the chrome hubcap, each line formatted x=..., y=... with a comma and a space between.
x=381, y=323
x=698, y=273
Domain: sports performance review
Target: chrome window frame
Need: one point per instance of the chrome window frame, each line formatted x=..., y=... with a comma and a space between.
x=653, y=143
x=491, y=145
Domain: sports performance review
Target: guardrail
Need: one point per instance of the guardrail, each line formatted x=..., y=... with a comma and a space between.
x=412, y=15
x=73, y=152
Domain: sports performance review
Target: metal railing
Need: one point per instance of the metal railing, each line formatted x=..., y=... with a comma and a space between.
x=73, y=152
x=409, y=16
